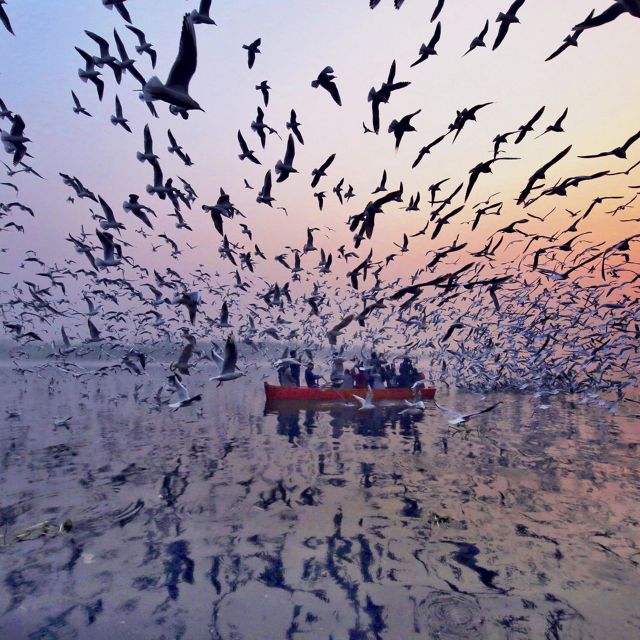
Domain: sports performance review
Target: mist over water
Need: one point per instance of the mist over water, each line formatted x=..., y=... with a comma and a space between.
x=229, y=519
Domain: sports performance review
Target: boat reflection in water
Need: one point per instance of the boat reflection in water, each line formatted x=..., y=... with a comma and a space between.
x=387, y=417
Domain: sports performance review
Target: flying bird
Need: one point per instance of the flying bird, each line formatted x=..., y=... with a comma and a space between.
x=246, y=152
x=294, y=126
x=402, y=126
x=570, y=41
x=143, y=46
x=176, y=89
x=506, y=20
x=321, y=170
x=427, y=50
x=526, y=128
x=201, y=15
x=252, y=50
x=618, y=8
x=478, y=41
x=285, y=167
x=618, y=152
x=325, y=80
x=118, y=118
x=4, y=18
x=77, y=107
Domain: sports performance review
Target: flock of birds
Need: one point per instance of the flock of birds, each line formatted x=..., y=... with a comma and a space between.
x=563, y=314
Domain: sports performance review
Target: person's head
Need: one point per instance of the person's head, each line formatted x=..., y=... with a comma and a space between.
x=310, y=365
x=292, y=353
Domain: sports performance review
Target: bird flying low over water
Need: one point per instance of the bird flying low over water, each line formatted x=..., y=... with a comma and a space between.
x=227, y=363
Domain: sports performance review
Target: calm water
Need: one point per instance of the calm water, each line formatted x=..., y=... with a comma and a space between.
x=223, y=521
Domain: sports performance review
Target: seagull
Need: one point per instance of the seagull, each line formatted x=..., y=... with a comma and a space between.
x=4, y=18
x=94, y=334
x=252, y=50
x=148, y=154
x=201, y=15
x=190, y=300
x=119, y=119
x=105, y=56
x=90, y=73
x=138, y=210
x=184, y=399
x=321, y=170
x=427, y=50
x=285, y=167
x=570, y=41
x=176, y=90
x=247, y=154
x=618, y=8
x=461, y=418
x=526, y=128
x=556, y=127
x=93, y=310
x=227, y=364
x=366, y=403
x=119, y=7
x=618, y=152
x=478, y=41
x=126, y=63
x=402, y=126
x=325, y=80
x=506, y=20
x=264, y=196
x=112, y=253
x=14, y=139
x=294, y=126
x=144, y=46
x=78, y=108
x=66, y=349
x=264, y=88
x=110, y=221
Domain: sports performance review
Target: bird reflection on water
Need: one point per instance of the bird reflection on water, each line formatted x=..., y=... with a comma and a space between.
x=316, y=520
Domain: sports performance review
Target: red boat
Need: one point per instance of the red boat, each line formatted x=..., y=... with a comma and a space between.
x=329, y=394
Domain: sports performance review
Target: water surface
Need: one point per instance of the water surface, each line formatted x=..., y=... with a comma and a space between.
x=225, y=521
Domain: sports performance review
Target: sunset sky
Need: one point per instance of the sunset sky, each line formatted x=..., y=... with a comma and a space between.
x=598, y=82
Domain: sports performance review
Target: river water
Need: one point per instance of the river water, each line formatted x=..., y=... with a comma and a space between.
x=232, y=520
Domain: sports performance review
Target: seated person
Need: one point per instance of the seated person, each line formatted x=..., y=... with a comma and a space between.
x=311, y=378
x=361, y=379
x=294, y=368
x=348, y=379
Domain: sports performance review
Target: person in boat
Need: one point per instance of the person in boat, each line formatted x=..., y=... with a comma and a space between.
x=311, y=378
x=347, y=383
x=405, y=377
x=361, y=378
x=294, y=369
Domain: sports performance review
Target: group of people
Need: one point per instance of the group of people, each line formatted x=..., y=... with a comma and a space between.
x=376, y=373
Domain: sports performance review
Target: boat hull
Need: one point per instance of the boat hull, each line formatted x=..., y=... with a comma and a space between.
x=301, y=394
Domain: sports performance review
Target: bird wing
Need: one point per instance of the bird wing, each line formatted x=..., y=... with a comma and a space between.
x=449, y=412
x=185, y=64
x=108, y=211
x=230, y=356
x=485, y=410
x=436, y=35
x=290, y=152
x=243, y=144
x=101, y=42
